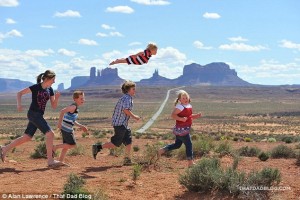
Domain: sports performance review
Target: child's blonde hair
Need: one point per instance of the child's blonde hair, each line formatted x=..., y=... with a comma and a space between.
x=181, y=93
x=127, y=85
x=77, y=93
x=152, y=46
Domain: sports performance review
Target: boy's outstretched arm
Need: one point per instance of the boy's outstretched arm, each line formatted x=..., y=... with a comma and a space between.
x=84, y=128
x=62, y=113
x=129, y=113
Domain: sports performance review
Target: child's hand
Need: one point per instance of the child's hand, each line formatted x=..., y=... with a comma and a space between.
x=84, y=128
x=20, y=108
x=183, y=119
x=57, y=94
x=198, y=115
x=136, y=117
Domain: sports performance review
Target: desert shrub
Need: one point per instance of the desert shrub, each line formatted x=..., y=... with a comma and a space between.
x=39, y=138
x=138, y=135
x=78, y=150
x=224, y=148
x=99, y=194
x=287, y=139
x=136, y=171
x=248, y=151
x=263, y=156
x=40, y=151
x=235, y=139
x=148, y=156
x=282, y=151
x=136, y=148
x=75, y=186
x=207, y=175
x=98, y=134
x=271, y=140
x=118, y=151
x=168, y=136
x=194, y=137
x=297, y=146
x=84, y=135
x=247, y=139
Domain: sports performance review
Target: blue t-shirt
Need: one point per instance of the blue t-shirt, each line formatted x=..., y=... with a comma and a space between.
x=40, y=97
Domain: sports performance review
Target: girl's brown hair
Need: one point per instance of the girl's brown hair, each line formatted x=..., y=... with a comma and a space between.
x=181, y=93
x=48, y=74
x=126, y=86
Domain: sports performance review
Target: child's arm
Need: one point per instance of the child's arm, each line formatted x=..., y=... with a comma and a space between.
x=19, y=97
x=54, y=100
x=129, y=113
x=175, y=116
x=196, y=116
x=70, y=108
x=84, y=128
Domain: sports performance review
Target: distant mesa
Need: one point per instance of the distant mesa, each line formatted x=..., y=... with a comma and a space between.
x=13, y=85
x=61, y=87
x=216, y=74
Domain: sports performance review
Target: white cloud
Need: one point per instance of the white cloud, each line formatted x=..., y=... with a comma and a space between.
x=120, y=9
x=68, y=13
x=101, y=34
x=200, y=45
x=211, y=15
x=66, y=52
x=109, y=56
x=10, y=34
x=9, y=3
x=238, y=39
x=39, y=53
x=152, y=2
x=107, y=27
x=241, y=47
x=87, y=42
x=10, y=21
x=116, y=34
x=134, y=44
x=48, y=26
x=289, y=44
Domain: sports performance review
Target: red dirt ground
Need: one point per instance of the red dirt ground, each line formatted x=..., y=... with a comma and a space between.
x=29, y=176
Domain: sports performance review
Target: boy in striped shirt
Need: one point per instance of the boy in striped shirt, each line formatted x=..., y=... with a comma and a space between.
x=67, y=120
x=139, y=58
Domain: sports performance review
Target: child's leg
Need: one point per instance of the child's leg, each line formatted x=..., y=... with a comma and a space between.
x=108, y=145
x=49, y=146
x=16, y=142
x=63, y=153
x=188, y=149
x=118, y=61
x=171, y=147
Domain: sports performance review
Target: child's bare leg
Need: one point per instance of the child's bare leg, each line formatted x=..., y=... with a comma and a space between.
x=127, y=150
x=108, y=145
x=63, y=153
x=122, y=60
x=49, y=147
x=16, y=142
x=160, y=152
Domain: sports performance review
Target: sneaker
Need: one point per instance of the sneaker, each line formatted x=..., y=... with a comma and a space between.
x=95, y=149
x=55, y=163
x=127, y=162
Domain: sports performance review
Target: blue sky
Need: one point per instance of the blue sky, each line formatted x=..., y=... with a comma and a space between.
x=260, y=39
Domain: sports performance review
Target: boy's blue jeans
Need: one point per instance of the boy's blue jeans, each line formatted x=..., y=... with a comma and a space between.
x=186, y=140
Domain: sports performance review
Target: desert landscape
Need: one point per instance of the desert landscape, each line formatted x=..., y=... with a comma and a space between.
x=235, y=120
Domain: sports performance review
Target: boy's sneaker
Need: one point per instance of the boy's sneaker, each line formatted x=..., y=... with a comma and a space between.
x=127, y=162
x=95, y=149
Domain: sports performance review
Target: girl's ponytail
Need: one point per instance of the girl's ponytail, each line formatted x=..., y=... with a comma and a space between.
x=176, y=101
x=39, y=78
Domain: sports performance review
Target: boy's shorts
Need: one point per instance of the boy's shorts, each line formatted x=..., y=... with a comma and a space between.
x=122, y=136
x=68, y=138
x=36, y=121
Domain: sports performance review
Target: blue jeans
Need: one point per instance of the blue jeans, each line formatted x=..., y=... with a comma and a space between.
x=186, y=140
